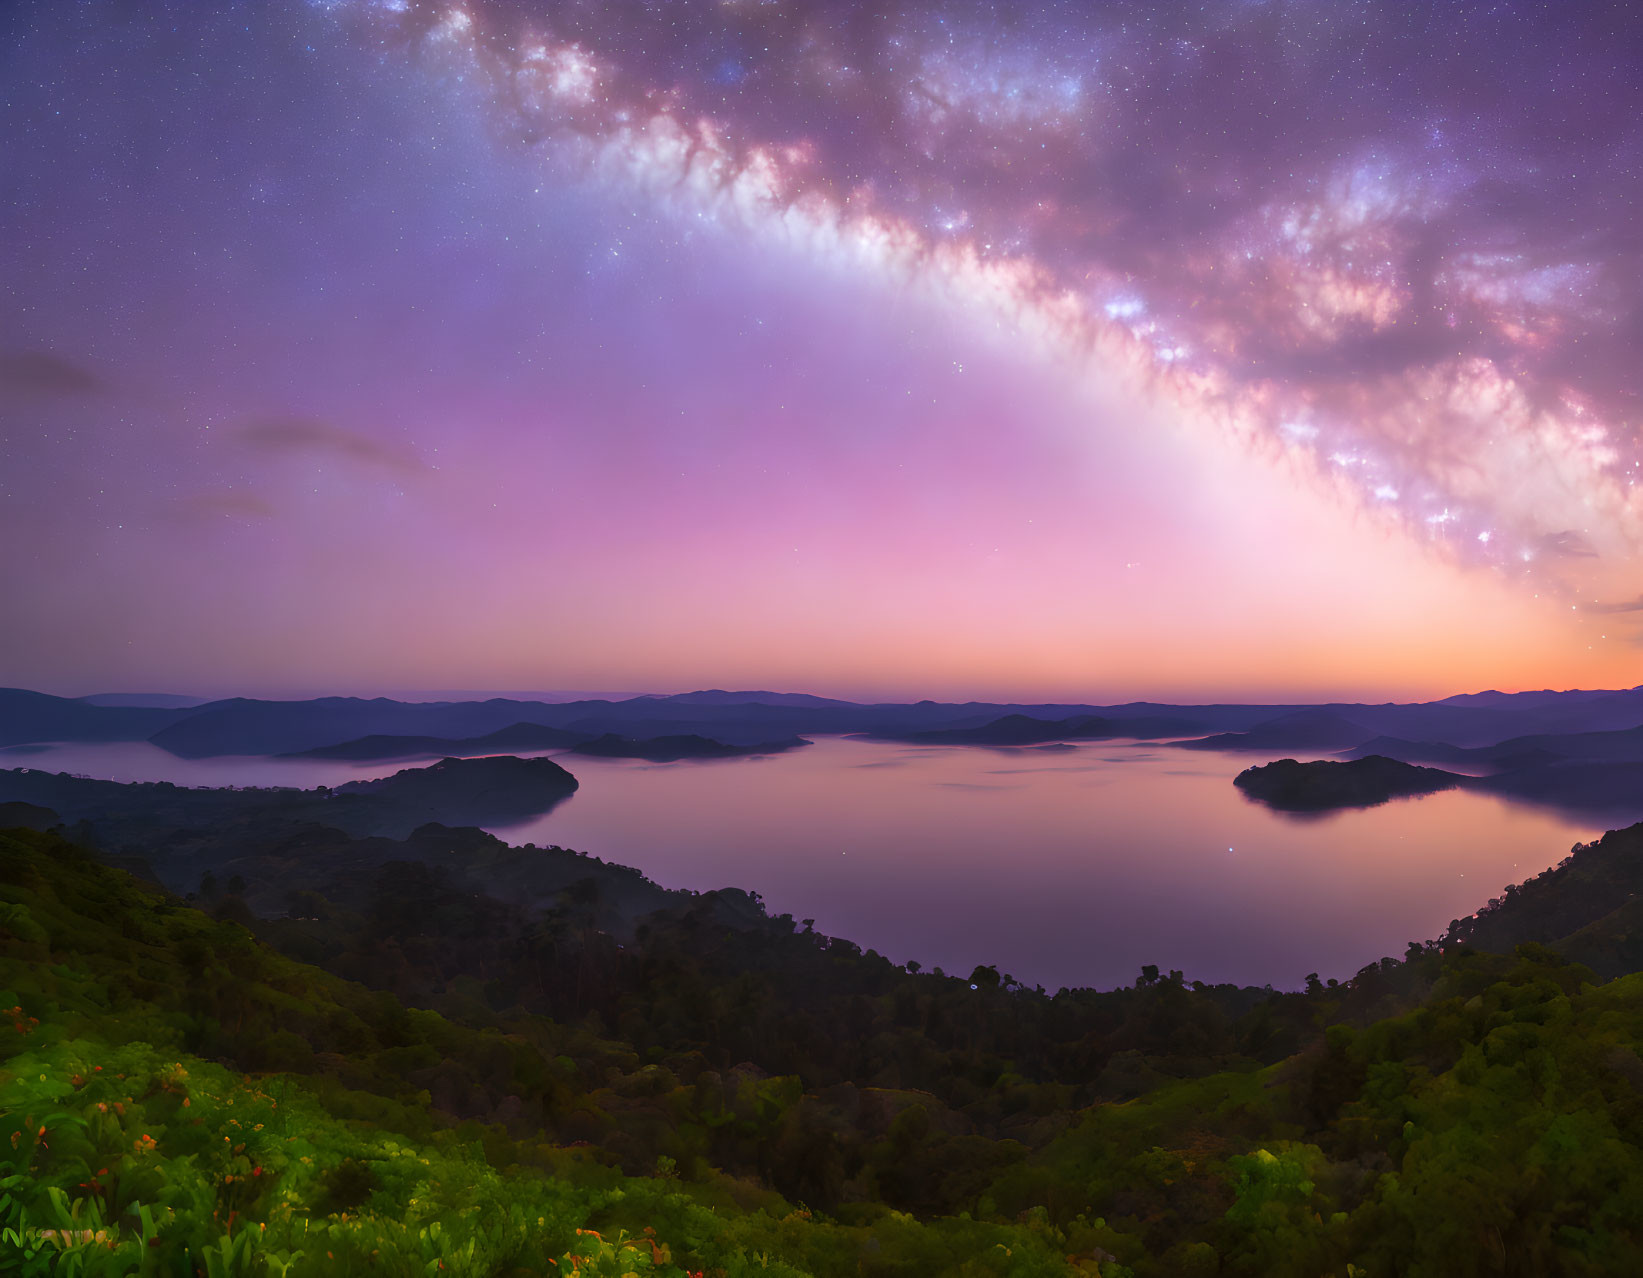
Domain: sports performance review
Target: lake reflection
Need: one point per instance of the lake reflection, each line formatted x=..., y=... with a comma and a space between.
x=1063, y=867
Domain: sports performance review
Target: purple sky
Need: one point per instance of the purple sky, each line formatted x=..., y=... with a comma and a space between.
x=1239, y=349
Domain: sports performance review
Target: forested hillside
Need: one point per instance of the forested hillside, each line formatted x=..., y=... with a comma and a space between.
x=471, y=1083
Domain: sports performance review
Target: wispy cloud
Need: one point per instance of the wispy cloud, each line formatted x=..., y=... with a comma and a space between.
x=42, y=373
x=227, y=505
x=311, y=434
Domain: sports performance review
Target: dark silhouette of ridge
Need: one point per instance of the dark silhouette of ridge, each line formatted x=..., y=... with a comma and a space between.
x=719, y=697
x=30, y=816
x=516, y=737
x=144, y=700
x=1622, y=746
x=1021, y=729
x=35, y=716
x=1543, y=697
x=1320, y=729
x=1612, y=791
x=353, y=727
x=496, y=790
x=671, y=749
x=243, y=726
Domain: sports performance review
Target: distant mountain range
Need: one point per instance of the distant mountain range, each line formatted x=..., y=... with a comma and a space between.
x=151, y=700
x=1475, y=730
x=1321, y=729
x=534, y=736
x=1621, y=746
x=380, y=747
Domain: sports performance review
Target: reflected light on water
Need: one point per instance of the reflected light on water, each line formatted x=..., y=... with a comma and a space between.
x=1060, y=866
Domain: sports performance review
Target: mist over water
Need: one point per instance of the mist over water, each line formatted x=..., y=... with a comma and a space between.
x=1061, y=867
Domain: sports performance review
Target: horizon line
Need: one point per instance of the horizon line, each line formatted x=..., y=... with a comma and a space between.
x=563, y=695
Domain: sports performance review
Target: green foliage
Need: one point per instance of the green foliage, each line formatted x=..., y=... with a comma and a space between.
x=122, y=1152
x=176, y=1097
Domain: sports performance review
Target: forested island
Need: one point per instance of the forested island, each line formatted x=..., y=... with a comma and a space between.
x=1592, y=786
x=267, y=1045
x=1323, y=785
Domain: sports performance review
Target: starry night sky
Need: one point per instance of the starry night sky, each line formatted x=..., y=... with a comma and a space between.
x=1246, y=349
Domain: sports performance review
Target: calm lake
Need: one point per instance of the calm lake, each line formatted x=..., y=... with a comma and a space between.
x=1062, y=867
